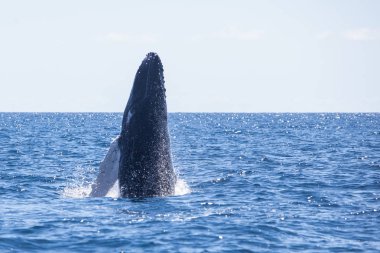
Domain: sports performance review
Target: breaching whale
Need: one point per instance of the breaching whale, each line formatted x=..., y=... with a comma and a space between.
x=140, y=157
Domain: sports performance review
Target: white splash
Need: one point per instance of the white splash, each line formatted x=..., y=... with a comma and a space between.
x=76, y=192
x=181, y=187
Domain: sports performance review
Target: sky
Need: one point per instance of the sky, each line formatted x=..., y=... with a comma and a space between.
x=218, y=56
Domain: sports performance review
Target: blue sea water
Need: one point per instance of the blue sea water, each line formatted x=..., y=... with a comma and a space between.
x=250, y=183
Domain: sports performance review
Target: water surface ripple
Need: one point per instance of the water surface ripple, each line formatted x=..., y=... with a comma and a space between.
x=259, y=183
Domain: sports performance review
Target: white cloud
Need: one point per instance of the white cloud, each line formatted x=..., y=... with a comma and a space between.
x=324, y=35
x=362, y=34
x=131, y=38
x=231, y=33
x=237, y=34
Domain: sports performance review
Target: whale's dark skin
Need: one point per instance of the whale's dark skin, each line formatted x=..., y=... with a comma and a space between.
x=145, y=166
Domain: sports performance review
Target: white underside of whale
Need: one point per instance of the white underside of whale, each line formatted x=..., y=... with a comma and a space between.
x=108, y=172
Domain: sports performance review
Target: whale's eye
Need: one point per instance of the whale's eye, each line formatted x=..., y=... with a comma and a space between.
x=130, y=115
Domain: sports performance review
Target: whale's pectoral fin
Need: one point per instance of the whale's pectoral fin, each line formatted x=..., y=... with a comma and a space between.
x=109, y=169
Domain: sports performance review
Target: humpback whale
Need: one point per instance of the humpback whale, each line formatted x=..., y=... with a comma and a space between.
x=140, y=157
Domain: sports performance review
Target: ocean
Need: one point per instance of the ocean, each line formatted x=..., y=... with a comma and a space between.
x=248, y=183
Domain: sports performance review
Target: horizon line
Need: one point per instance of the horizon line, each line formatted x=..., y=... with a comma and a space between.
x=208, y=112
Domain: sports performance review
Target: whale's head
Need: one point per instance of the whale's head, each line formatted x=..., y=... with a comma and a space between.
x=147, y=100
x=145, y=167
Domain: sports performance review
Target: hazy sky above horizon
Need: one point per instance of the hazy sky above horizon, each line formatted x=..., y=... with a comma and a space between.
x=218, y=56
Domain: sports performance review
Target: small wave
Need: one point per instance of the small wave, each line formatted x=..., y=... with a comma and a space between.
x=76, y=191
